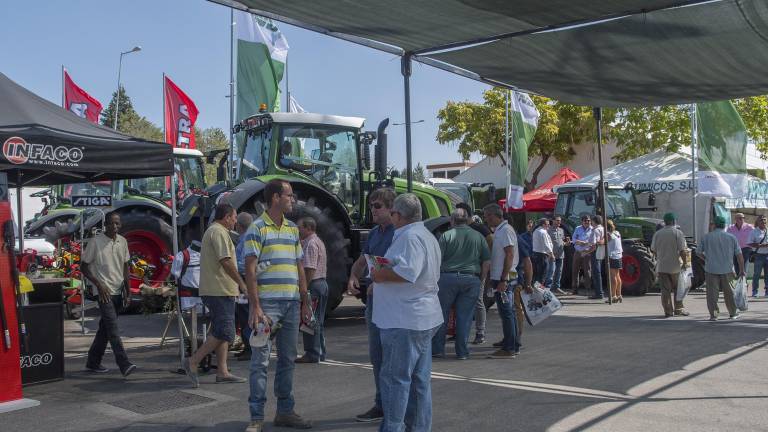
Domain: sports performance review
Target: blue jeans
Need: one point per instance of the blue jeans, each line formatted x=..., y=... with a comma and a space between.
x=374, y=348
x=405, y=380
x=314, y=345
x=286, y=312
x=508, y=318
x=463, y=291
x=554, y=273
x=597, y=276
x=760, y=267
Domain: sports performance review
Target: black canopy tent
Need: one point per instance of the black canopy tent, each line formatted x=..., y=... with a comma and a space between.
x=587, y=52
x=44, y=144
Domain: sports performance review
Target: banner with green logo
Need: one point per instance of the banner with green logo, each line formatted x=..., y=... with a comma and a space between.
x=722, y=139
x=524, y=121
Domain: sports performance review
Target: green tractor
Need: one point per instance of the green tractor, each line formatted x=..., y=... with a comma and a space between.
x=327, y=161
x=638, y=274
x=144, y=206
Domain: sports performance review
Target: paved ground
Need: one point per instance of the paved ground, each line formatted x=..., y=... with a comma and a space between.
x=591, y=367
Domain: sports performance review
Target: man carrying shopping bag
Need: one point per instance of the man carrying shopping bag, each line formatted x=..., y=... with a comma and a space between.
x=669, y=246
x=717, y=249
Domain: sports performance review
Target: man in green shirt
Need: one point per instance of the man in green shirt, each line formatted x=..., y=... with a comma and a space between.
x=466, y=261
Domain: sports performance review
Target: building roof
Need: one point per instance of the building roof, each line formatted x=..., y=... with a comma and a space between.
x=465, y=164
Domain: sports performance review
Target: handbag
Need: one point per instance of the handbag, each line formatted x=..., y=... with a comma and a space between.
x=539, y=305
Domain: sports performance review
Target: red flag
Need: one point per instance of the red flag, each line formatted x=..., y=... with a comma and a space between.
x=79, y=102
x=180, y=116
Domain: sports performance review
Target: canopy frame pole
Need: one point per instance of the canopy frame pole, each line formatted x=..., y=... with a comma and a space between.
x=179, y=314
x=231, y=158
x=694, y=142
x=507, y=147
x=20, y=211
x=597, y=112
x=405, y=69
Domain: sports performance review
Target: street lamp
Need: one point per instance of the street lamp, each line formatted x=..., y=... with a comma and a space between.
x=400, y=124
x=137, y=48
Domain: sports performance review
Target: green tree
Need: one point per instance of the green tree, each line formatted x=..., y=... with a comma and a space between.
x=208, y=140
x=418, y=173
x=479, y=127
x=127, y=113
x=140, y=127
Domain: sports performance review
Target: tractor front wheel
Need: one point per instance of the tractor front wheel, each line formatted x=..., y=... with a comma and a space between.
x=638, y=274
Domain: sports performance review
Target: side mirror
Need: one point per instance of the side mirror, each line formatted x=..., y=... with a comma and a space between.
x=590, y=200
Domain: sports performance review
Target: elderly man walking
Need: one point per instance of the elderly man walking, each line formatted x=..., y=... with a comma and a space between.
x=466, y=261
x=277, y=295
x=504, y=260
x=315, y=268
x=407, y=312
x=718, y=249
x=742, y=231
x=379, y=239
x=669, y=246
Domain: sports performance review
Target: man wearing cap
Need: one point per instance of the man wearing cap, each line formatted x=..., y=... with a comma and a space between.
x=718, y=248
x=669, y=246
x=742, y=230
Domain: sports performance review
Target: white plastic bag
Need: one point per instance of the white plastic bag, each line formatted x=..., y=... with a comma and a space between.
x=683, y=284
x=740, y=294
x=539, y=305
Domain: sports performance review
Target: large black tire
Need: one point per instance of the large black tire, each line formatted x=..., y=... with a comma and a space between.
x=697, y=264
x=337, y=248
x=151, y=237
x=638, y=274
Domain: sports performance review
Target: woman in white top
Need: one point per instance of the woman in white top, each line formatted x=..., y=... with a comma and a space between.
x=615, y=252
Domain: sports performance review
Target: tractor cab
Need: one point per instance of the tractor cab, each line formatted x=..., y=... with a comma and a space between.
x=190, y=180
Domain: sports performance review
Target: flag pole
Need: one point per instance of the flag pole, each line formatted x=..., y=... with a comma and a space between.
x=63, y=90
x=287, y=89
x=231, y=158
x=597, y=112
x=507, y=146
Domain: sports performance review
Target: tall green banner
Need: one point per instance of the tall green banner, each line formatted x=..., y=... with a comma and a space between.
x=261, y=54
x=524, y=121
x=722, y=139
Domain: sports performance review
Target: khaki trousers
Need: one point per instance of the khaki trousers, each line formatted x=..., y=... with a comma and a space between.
x=668, y=282
x=715, y=284
x=519, y=312
x=584, y=264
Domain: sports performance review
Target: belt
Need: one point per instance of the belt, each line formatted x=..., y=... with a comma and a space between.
x=463, y=273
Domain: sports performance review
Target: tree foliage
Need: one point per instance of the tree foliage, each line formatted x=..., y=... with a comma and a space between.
x=479, y=127
x=207, y=140
x=418, y=173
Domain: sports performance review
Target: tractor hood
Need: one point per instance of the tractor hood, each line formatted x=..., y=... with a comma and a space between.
x=638, y=227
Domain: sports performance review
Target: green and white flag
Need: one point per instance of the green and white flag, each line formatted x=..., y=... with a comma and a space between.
x=261, y=55
x=722, y=139
x=524, y=121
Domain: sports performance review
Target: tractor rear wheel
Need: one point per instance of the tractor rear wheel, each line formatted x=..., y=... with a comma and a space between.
x=697, y=265
x=151, y=238
x=638, y=274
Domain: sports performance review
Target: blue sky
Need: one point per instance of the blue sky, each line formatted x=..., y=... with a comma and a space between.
x=189, y=41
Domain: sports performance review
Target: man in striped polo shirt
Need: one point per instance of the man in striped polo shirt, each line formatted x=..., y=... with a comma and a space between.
x=277, y=296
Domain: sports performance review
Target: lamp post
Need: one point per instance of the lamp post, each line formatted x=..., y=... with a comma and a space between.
x=119, y=70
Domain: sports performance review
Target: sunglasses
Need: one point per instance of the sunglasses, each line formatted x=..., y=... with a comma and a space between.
x=377, y=206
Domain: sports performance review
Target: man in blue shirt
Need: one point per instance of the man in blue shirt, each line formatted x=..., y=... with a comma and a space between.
x=379, y=240
x=582, y=259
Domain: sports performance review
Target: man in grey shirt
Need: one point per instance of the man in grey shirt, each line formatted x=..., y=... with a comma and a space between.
x=559, y=241
x=669, y=246
x=717, y=249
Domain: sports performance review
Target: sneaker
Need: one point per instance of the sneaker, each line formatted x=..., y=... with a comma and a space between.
x=438, y=356
x=502, y=354
x=498, y=344
x=713, y=318
x=305, y=359
x=129, y=370
x=682, y=313
x=230, y=379
x=479, y=339
x=292, y=420
x=462, y=357
x=735, y=316
x=372, y=415
x=255, y=426
x=96, y=369
x=192, y=374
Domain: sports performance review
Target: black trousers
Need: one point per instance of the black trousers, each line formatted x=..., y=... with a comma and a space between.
x=539, y=261
x=108, y=333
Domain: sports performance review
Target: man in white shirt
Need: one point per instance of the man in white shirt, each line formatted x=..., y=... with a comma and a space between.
x=542, y=251
x=504, y=260
x=759, y=242
x=581, y=256
x=408, y=314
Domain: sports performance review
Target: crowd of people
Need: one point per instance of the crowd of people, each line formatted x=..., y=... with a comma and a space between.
x=271, y=284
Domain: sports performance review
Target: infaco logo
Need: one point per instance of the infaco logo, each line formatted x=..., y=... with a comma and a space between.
x=36, y=360
x=18, y=151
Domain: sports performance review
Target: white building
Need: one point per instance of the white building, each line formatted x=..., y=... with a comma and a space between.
x=448, y=170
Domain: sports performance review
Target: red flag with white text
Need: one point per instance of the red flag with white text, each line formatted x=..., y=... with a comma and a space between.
x=79, y=102
x=180, y=117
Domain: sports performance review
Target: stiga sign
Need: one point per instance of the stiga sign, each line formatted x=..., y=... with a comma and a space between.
x=18, y=152
x=91, y=201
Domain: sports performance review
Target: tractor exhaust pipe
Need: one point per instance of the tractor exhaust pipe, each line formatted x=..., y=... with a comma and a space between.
x=381, y=148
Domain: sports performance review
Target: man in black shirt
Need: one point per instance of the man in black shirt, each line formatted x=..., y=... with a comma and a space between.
x=480, y=306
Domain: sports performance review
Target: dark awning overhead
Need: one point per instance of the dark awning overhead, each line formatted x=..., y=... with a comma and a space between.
x=603, y=53
x=46, y=144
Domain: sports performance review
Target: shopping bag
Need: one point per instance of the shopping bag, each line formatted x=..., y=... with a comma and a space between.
x=683, y=284
x=539, y=305
x=740, y=294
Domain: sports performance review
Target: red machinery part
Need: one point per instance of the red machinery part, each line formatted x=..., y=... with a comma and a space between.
x=10, y=367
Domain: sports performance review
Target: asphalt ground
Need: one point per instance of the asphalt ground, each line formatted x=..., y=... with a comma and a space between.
x=592, y=366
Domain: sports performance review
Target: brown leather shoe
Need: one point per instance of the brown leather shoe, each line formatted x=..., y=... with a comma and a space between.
x=292, y=420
